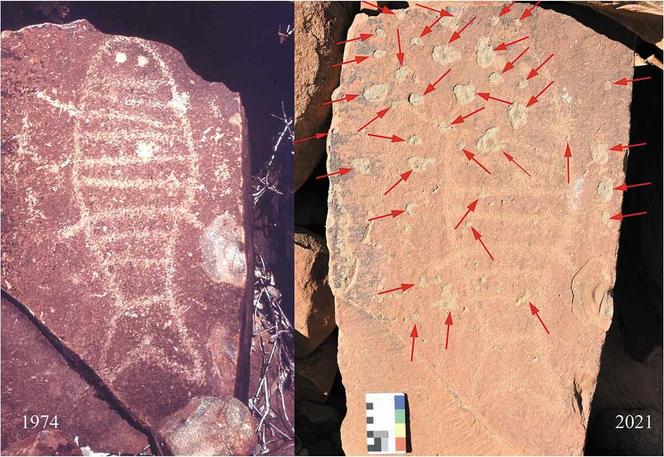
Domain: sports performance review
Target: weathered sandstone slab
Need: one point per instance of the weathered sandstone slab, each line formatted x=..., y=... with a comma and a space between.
x=36, y=380
x=504, y=385
x=45, y=442
x=318, y=27
x=125, y=214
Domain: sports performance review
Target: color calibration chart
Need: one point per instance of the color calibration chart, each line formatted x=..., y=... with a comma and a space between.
x=386, y=423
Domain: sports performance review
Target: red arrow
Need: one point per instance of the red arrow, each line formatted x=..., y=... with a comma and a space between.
x=382, y=9
x=340, y=171
x=400, y=55
x=469, y=208
x=503, y=46
x=403, y=287
x=568, y=154
x=441, y=12
x=357, y=59
x=432, y=87
x=506, y=9
x=511, y=159
x=345, y=98
x=625, y=81
x=448, y=323
x=393, y=138
x=528, y=11
x=533, y=100
x=534, y=71
x=478, y=237
x=456, y=35
x=487, y=96
x=428, y=28
x=624, y=187
x=460, y=119
x=510, y=65
x=535, y=311
x=317, y=136
x=380, y=115
x=363, y=37
x=404, y=177
x=471, y=156
x=620, y=147
x=394, y=213
x=621, y=216
x=413, y=335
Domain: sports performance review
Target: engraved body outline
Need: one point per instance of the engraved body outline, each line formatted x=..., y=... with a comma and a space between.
x=179, y=214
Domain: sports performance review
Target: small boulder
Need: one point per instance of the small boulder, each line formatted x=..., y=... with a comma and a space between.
x=314, y=303
x=210, y=426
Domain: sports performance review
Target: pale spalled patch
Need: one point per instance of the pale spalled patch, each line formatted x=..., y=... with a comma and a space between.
x=414, y=140
x=379, y=53
x=420, y=164
x=517, y=114
x=375, y=93
x=401, y=73
x=120, y=57
x=489, y=141
x=599, y=152
x=605, y=189
x=410, y=208
x=486, y=56
x=222, y=248
x=142, y=61
x=415, y=99
x=464, y=93
x=416, y=41
x=495, y=78
x=445, y=54
x=144, y=150
x=362, y=166
x=447, y=299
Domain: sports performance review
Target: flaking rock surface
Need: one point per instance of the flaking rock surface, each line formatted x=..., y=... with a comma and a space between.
x=124, y=179
x=504, y=385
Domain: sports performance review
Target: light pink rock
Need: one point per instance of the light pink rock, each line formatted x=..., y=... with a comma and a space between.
x=503, y=386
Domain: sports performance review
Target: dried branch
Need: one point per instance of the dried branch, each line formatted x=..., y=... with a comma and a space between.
x=273, y=334
x=268, y=178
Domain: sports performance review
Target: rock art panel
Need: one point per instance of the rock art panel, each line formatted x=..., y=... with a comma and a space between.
x=31, y=364
x=486, y=225
x=126, y=216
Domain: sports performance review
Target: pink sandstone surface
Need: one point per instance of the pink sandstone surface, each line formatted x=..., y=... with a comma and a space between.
x=504, y=385
x=125, y=212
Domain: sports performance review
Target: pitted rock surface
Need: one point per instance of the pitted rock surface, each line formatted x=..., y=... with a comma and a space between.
x=125, y=214
x=503, y=386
